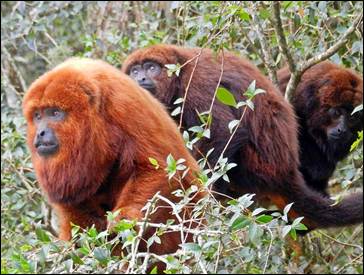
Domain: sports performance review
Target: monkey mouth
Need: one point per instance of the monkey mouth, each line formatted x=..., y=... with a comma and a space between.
x=336, y=137
x=150, y=88
x=47, y=149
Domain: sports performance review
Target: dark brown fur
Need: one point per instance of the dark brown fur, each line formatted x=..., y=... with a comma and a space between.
x=322, y=87
x=265, y=146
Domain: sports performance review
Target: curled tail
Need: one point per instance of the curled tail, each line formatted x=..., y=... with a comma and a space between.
x=320, y=211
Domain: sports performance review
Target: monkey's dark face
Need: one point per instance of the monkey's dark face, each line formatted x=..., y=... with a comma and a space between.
x=343, y=126
x=145, y=74
x=45, y=140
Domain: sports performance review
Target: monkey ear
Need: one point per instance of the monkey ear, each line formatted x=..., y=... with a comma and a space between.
x=93, y=92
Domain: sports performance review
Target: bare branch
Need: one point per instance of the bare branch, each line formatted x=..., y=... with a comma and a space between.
x=334, y=48
x=267, y=55
x=22, y=87
x=296, y=75
x=277, y=23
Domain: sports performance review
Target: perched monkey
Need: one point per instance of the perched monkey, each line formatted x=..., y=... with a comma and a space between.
x=265, y=146
x=323, y=101
x=91, y=130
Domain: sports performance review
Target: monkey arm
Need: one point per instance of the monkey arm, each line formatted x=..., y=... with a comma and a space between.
x=85, y=214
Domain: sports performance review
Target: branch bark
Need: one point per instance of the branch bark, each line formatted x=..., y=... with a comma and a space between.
x=267, y=55
x=301, y=68
x=282, y=42
x=19, y=82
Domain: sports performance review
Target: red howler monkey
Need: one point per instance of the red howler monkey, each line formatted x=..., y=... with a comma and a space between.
x=265, y=146
x=323, y=101
x=91, y=130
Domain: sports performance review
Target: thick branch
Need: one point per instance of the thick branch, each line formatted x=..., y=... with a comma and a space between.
x=267, y=56
x=20, y=82
x=296, y=75
x=283, y=47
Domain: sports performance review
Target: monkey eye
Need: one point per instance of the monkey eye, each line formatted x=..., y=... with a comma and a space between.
x=134, y=70
x=335, y=112
x=37, y=116
x=55, y=113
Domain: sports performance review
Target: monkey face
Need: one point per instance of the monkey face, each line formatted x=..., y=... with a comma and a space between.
x=66, y=133
x=145, y=74
x=147, y=68
x=45, y=140
x=343, y=127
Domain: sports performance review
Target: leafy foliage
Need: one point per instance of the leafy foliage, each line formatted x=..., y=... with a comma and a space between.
x=238, y=237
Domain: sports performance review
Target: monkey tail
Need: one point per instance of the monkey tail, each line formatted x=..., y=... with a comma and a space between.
x=322, y=212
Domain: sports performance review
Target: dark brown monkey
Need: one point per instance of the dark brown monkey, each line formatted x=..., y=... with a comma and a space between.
x=323, y=101
x=265, y=146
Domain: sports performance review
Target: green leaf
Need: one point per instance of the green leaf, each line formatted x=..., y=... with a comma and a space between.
x=257, y=211
x=102, y=255
x=300, y=227
x=84, y=250
x=154, y=162
x=225, y=97
x=232, y=124
x=357, y=142
x=286, y=229
x=357, y=109
x=243, y=15
x=176, y=111
x=293, y=234
x=250, y=104
x=239, y=223
x=42, y=235
x=264, y=14
x=92, y=232
x=178, y=101
x=287, y=208
x=264, y=218
x=155, y=269
x=76, y=259
x=254, y=232
x=173, y=68
x=171, y=166
x=123, y=225
x=296, y=222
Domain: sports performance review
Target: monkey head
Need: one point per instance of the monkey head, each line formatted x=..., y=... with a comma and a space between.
x=327, y=103
x=65, y=133
x=147, y=68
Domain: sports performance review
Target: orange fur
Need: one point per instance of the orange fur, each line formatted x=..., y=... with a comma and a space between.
x=111, y=128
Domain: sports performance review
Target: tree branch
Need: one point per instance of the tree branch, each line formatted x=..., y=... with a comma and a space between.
x=20, y=82
x=296, y=75
x=282, y=43
x=267, y=55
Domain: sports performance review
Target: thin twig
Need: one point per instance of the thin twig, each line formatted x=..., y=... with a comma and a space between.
x=135, y=245
x=267, y=55
x=342, y=243
x=23, y=86
x=351, y=262
x=231, y=136
x=217, y=88
x=300, y=69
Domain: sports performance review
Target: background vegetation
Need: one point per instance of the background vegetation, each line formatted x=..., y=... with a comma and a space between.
x=38, y=35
